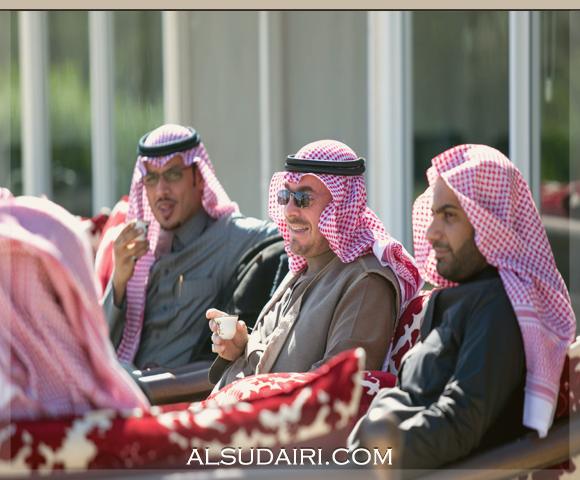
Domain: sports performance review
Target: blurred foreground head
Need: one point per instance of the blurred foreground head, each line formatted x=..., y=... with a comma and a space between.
x=56, y=358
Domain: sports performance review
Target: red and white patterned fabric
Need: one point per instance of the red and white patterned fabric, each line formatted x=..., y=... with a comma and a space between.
x=569, y=394
x=56, y=358
x=93, y=227
x=105, y=258
x=268, y=384
x=407, y=331
x=317, y=413
x=510, y=235
x=373, y=381
x=348, y=224
x=215, y=201
x=258, y=386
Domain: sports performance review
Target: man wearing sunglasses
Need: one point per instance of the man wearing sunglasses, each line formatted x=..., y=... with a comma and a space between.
x=164, y=281
x=338, y=294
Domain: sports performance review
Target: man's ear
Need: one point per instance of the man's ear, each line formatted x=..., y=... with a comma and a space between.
x=197, y=178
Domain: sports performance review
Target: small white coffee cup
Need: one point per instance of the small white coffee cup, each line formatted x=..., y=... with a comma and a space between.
x=145, y=226
x=226, y=326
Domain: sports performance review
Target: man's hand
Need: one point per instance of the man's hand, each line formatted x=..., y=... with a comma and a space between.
x=228, y=349
x=125, y=249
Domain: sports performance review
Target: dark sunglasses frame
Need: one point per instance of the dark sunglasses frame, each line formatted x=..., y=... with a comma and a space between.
x=301, y=199
x=156, y=176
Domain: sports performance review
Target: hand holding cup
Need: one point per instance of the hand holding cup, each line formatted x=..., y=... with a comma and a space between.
x=230, y=335
x=130, y=245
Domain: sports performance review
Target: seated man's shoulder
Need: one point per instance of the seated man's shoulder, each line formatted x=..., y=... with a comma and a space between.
x=489, y=293
x=370, y=264
x=488, y=299
x=359, y=269
x=241, y=223
x=363, y=269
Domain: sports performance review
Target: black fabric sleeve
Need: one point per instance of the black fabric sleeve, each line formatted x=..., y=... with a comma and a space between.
x=217, y=369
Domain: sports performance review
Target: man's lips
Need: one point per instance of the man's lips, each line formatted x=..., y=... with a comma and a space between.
x=441, y=252
x=165, y=207
x=297, y=229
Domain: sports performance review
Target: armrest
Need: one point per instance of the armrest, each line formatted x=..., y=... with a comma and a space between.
x=188, y=383
x=189, y=368
x=519, y=456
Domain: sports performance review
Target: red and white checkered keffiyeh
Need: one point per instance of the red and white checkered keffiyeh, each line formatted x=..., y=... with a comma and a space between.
x=215, y=201
x=56, y=358
x=510, y=235
x=349, y=225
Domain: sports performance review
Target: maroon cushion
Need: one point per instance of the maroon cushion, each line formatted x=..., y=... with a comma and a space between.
x=259, y=386
x=267, y=385
x=318, y=412
x=407, y=330
x=373, y=381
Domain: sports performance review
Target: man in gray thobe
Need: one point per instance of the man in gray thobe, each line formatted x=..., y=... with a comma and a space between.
x=162, y=285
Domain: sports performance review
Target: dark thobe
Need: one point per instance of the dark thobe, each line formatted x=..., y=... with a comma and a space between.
x=461, y=387
x=184, y=284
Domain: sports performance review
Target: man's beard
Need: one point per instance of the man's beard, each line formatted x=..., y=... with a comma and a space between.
x=462, y=264
x=173, y=227
x=311, y=249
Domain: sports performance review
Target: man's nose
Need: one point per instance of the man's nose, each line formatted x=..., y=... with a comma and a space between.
x=433, y=231
x=291, y=210
x=162, y=187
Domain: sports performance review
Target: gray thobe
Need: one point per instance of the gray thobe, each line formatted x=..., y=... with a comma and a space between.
x=205, y=253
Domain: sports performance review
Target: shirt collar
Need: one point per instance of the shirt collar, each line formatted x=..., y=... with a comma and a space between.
x=487, y=273
x=316, y=264
x=190, y=230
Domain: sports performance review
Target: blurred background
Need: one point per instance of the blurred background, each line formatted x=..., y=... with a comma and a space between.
x=78, y=89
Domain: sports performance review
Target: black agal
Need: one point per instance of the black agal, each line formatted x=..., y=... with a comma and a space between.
x=300, y=165
x=168, y=148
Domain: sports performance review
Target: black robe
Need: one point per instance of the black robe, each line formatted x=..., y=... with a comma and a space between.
x=461, y=388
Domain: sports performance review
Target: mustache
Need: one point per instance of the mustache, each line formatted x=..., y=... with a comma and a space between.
x=441, y=245
x=297, y=223
x=165, y=199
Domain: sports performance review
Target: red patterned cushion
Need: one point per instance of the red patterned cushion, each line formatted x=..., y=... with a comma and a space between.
x=104, y=261
x=569, y=394
x=407, y=331
x=258, y=386
x=318, y=412
x=270, y=384
x=372, y=382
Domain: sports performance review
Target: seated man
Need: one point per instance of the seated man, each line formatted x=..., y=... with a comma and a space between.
x=337, y=295
x=56, y=358
x=195, y=239
x=487, y=364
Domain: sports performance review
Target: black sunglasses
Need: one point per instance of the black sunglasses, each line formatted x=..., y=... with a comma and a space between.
x=301, y=199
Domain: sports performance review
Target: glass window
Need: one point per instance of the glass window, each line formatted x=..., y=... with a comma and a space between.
x=224, y=73
x=10, y=159
x=70, y=110
x=460, y=84
x=5, y=99
x=138, y=86
x=574, y=199
x=325, y=78
x=560, y=194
